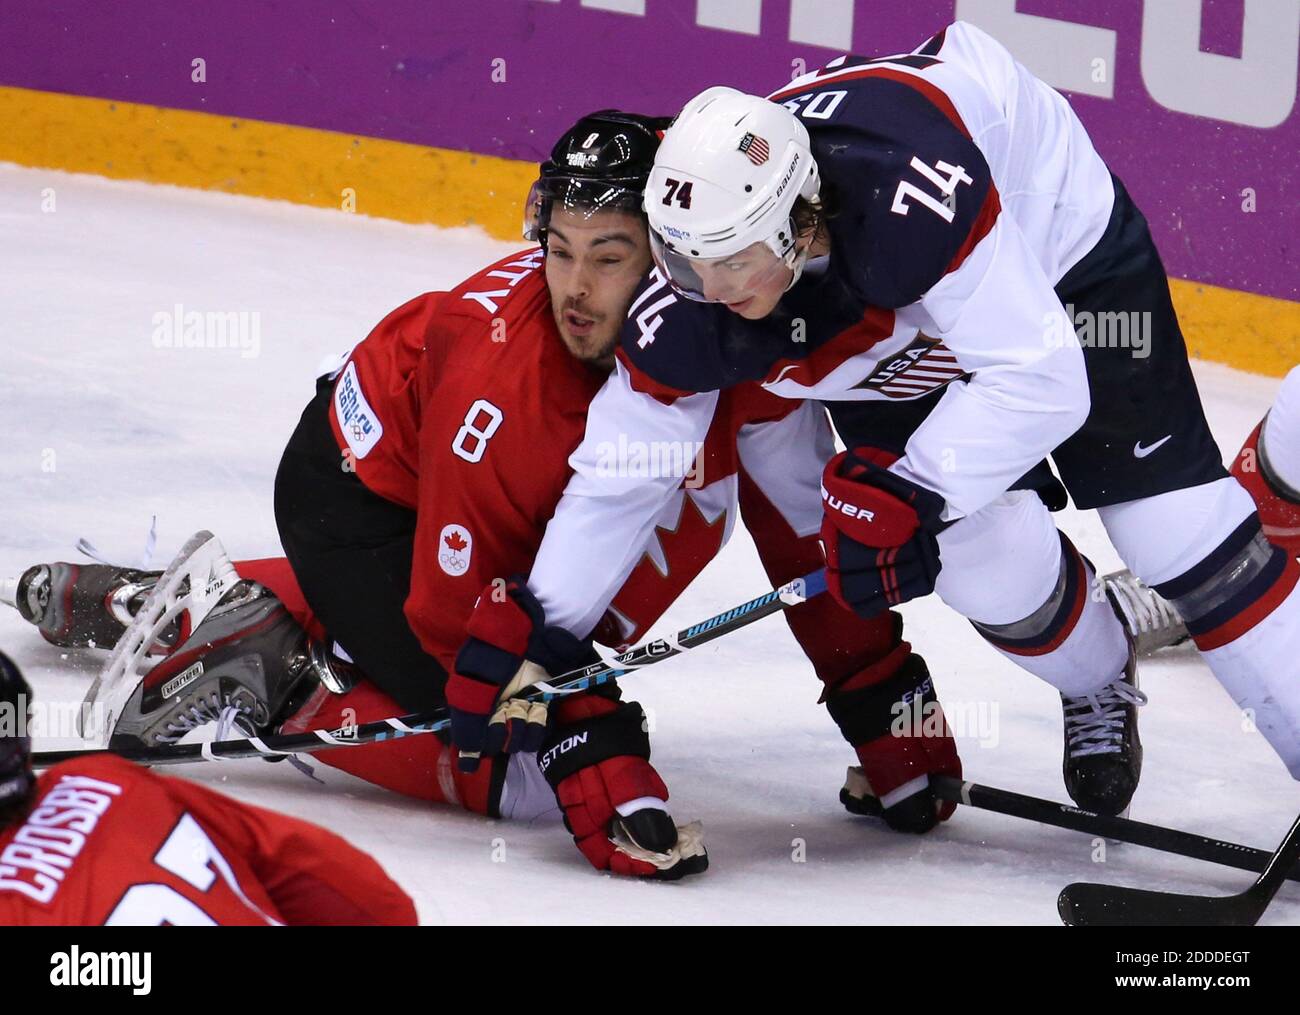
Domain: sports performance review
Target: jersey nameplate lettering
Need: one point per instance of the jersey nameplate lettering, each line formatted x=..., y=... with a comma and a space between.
x=488, y=299
x=41, y=853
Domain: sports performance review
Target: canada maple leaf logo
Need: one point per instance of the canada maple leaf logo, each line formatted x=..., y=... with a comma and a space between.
x=455, y=542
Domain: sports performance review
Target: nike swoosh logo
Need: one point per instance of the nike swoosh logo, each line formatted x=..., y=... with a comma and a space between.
x=1140, y=452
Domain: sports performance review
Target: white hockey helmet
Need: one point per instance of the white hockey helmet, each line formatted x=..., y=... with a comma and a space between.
x=724, y=181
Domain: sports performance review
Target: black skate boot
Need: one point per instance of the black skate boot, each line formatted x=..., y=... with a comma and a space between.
x=80, y=605
x=248, y=665
x=1103, y=752
x=1150, y=620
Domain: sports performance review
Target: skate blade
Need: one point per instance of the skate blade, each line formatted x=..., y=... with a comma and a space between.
x=195, y=581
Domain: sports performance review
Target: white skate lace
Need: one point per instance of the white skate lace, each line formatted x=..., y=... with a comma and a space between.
x=146, y=555
x=230, y=717
x=1143, y=609
x=1094, y=723
x=223, y=710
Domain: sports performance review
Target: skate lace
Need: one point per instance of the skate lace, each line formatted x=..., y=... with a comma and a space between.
x=146, y=555
x=1094, y=723
x=1142, y=608
x=223, y=710
x=229, y=716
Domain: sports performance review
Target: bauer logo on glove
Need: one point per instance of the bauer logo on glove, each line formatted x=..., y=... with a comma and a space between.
x=878, y=534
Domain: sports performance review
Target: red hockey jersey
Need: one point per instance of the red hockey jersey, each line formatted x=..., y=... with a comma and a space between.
x=375, y=409
x=110, y=843
x=466, y=405
x=502, y=406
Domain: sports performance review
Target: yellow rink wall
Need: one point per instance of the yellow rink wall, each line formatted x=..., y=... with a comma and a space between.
x=390, y=179
x=413, y=183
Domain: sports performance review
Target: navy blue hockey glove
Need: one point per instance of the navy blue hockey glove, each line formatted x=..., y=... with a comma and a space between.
x=506, y=629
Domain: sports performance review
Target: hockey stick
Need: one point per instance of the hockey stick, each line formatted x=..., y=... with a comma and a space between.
x=1084, y=904
x=595, y=674
x=1049, y=812
x=1138, y=833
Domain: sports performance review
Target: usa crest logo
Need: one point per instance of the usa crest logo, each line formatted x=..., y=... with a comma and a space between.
x=755, y=149
x=915, y=371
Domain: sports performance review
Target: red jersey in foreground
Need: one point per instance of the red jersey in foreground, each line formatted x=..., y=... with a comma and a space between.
x=110, y=843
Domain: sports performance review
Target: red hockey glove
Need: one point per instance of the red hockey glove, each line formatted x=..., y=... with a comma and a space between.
x=878, y=533
x=597, y=759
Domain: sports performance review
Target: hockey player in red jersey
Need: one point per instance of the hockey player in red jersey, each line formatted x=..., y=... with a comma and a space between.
x=100, y=841
x=901, y=238
x=420, y=481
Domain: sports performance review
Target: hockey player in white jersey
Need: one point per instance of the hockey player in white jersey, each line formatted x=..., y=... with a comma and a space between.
x=914, y=240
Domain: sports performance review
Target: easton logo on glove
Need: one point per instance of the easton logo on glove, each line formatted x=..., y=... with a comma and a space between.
x=563, y=747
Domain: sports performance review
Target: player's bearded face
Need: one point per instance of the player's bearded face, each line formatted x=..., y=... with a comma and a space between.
x=593, y=266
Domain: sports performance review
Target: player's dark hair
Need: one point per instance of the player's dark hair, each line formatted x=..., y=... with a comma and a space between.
x=812, y=218
x=17, y=782
x=601, y=163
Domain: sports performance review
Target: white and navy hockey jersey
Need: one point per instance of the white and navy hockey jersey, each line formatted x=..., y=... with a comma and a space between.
x=961, y=189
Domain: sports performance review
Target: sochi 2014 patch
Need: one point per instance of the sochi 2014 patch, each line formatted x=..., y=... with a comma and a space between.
x=361, y=427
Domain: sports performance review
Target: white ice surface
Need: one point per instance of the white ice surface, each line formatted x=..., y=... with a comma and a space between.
x=101, y=430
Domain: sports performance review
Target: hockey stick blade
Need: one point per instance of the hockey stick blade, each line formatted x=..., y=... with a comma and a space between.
x=1084, y=904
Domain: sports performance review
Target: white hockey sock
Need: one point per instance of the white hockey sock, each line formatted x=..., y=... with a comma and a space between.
x=1258, y=670
x=1004, y=569
x=1092, y=655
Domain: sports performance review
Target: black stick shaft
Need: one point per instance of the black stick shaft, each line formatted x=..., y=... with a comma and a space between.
x=1139, y=833
x=430, y=722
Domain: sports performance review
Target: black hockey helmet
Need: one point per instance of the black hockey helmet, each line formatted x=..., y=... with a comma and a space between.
x=16, y=778
x=601, y=162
